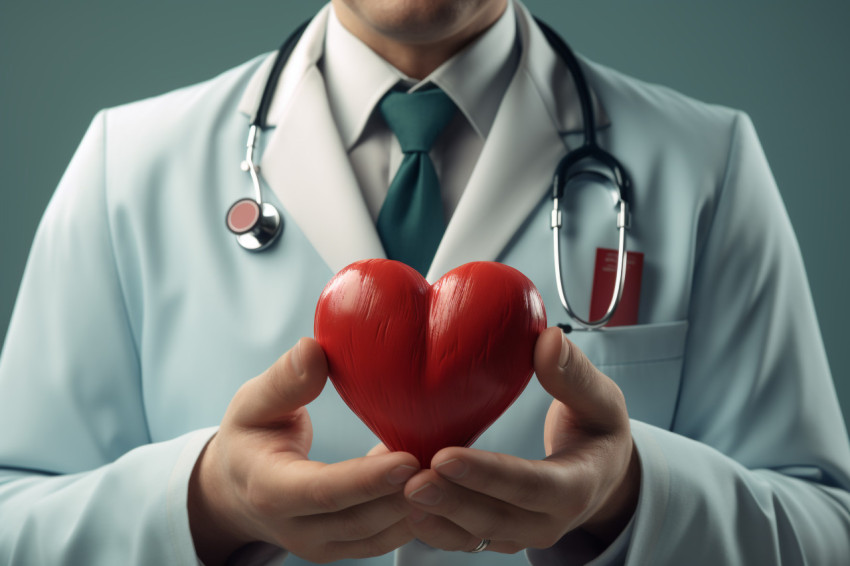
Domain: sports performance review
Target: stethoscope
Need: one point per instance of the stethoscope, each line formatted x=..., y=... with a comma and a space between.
x=258, y=224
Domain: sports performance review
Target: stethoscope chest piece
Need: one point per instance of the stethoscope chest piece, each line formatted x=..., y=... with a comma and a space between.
x=256, y=225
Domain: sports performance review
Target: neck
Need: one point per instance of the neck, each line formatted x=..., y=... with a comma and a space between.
x=417, y=48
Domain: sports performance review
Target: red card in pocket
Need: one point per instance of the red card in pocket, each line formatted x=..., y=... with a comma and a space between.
x=604, y=277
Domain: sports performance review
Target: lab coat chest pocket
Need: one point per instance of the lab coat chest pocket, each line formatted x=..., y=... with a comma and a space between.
x=646, y=363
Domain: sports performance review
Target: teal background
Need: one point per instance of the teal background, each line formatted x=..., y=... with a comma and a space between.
x=783, y=62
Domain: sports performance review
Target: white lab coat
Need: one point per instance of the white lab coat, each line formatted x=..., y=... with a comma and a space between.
x=139, y=317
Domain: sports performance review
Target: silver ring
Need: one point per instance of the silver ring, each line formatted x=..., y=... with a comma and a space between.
x=482, y=546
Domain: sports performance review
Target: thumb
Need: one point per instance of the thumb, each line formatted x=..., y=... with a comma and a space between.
x=378, y=450
x=294, y=380
x=592, y=398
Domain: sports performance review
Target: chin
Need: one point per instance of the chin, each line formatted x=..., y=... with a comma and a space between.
x=421, y=21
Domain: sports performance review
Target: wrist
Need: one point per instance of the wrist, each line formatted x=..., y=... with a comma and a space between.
x=214, y=538
x=614, y=515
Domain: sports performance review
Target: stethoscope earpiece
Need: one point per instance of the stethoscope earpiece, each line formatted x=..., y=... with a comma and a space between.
x=256, y=225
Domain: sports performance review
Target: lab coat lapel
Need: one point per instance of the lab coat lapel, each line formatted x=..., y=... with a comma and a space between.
x=538, y=113
x=306, y=166
x=510, y=179
x=304, y=161
x=511, y=176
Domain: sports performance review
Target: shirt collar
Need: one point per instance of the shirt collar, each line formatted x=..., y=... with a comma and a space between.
x=475, y=78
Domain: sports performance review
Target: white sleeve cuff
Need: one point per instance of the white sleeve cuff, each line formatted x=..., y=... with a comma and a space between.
x=178, y=490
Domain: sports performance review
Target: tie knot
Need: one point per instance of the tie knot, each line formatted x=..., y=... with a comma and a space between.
x=417, y=118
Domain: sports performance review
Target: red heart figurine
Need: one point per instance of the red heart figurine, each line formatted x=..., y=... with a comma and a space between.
x=424, y=366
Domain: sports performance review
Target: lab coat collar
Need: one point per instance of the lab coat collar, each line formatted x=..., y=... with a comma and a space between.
x=475, y=79
x=313, y=179
x=305, y=55
x=561, y=100
x=306, y=165
x=515, y=167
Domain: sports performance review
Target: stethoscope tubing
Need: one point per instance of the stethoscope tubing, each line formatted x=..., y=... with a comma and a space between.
x=269, y=224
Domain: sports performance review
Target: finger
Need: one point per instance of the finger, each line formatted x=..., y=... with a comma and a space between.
x=476, y=513
x=313, y=488
x=528, y=484
x=295, y=379
x=439, y=532
x=359, y=521
x=566, y=373
x=382, y=543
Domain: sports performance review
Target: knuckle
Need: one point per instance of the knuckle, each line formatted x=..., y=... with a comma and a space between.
x=617, y=395
x=276, y=381
x=239, y=405
x=623, y=424
x=616, y=398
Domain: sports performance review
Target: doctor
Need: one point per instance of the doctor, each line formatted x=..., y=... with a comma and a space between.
x=140, y=320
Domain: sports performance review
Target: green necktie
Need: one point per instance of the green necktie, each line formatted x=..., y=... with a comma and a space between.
x=411, y=221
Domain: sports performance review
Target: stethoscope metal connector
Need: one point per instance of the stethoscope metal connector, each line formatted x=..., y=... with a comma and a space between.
x=255, y=223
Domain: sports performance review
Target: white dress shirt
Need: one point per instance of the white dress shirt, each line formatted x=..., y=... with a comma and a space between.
x=475, y=78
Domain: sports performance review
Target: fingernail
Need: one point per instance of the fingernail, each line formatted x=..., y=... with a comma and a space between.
x=453, y=468
x=400, y=474
x=565, y=352
x=295, y=359
x=428, y=494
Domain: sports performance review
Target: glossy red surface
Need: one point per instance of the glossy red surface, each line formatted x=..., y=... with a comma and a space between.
x=424, y=366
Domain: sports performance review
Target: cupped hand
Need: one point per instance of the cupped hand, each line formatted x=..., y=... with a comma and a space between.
x=254, y=481
x=590, y=478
